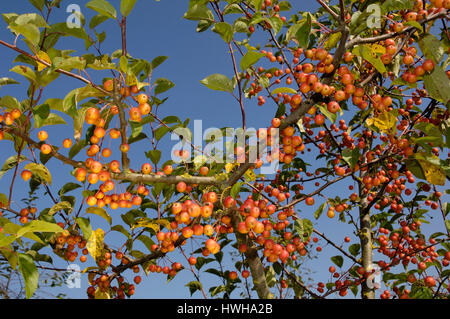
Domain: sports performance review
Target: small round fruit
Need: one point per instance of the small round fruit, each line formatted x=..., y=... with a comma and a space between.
x=142, y=98
x=168, y=169
x=46, y=149
x=42, y=136
x=309, y=201
x=26, y=175
x=67, y=143
x=108, y=85
x=181, y=187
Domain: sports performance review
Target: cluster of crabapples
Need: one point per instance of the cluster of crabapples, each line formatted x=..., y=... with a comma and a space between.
x=9, y=118
x=69, y=245
x=27, y=213
x=105, y=284
x=96, y=167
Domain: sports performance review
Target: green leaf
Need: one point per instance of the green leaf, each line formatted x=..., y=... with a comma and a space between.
x=100, y=212
x=29, y=273
x=158, y=61
x=240, y=26
x=97, y=20
x=199, y=11
x=284, y=90
x=103, y=7
x=218, y=82
x=85, y=226
x=432, y=48
x=7, y=81
x=38, y=4
x=3, y=200
x=10, y=103
x=276, y=23
x=123, y=64
x=414, y=24
x=147, y=241
x=6, y=240
x=9, y=255
x=160, y=132
x=29, y=18
x=70, y=63
x=126, y=6
x=52, y=119
x=420, y=292
x=10, y=163
x=214, y=291
x=351, y=156
x=40, y=171
x=232, y=8
x=354, y=249
x=137, y=138
x=163, y=85
x=249, y=59
x=366, y=52
x=331, y=116
x=415, y=168
x=281, y=110
x=225, y=30
x=304, y=228
x=40, y=113
x=284, y=5
x=154, y=156
x=271, y=279
x=29, y=31
x=257, y=4
x=394, y=5
x=60, y=206
x=319, y=211
x=103, y=63
x=194, y=286
x=121, y=229
x=64, y=30
x=38, y=226
x=236, y=189
x=26, y=72
x=204, y=25
x=300, y=31
x=76, y=148
x=332, y=41
x=338, y=260
x=438, y=85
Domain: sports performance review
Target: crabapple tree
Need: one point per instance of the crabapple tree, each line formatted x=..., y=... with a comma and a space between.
x=358, y=93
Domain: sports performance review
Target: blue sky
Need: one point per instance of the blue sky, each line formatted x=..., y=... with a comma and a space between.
x=158, y=29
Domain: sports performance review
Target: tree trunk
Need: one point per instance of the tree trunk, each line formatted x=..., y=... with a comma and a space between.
x=254, y=262
x=365, y=236
x=251, y=255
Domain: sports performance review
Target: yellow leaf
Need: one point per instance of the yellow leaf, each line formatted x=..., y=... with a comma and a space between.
x=433, y=173
x=332, y=40
x=385, y=122
x=250, y=175
x=378, y=48
x=163, y=222
x=40, y=171
x=147, y=224
x=89, y=268
x=101, y=295
x=44, y=57
x=229, y=167
x=95, y=244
